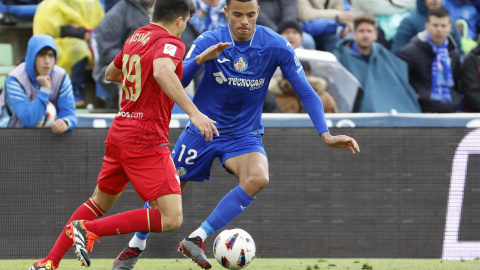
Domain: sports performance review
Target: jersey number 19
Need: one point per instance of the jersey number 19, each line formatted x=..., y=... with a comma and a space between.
x=135, y=79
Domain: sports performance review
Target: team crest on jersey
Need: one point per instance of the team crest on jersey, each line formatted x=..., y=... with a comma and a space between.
x=240, y=64
x=181, y=171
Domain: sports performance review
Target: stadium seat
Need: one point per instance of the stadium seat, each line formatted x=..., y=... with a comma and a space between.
x=6, y=53
x=14, y=9
x=6, y=61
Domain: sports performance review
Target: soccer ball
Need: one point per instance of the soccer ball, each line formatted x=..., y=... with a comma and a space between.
x=234, y=248
x=49, y=117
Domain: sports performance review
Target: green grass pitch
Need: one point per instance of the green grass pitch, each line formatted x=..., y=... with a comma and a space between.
x=268, y=264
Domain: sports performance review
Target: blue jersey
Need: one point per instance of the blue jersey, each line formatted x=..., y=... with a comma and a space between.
x=234, y=85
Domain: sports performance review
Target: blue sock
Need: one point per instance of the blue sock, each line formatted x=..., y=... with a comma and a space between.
x=144, y=235
x=227, y=210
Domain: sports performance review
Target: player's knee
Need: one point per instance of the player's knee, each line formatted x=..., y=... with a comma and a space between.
x=172, y=223
x=258, y=182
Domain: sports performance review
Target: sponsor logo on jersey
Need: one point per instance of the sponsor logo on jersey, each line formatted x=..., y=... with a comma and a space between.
x=170, y=49
x=240, y=64
x=130, y=114
x=181, y=171
x=253, y=84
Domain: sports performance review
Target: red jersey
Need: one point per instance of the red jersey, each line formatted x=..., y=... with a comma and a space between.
x=146, y=110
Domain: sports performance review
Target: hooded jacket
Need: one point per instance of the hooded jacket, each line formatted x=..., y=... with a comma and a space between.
x=419, y=56
x=384, y=79
x=23, y=102
x=414, y=24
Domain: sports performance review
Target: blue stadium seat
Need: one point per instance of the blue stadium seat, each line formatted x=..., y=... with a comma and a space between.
x=14, y=9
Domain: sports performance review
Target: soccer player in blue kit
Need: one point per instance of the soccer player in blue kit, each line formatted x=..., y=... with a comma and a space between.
x=239, y=60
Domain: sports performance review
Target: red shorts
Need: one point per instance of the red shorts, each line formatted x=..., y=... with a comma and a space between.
x=152, y=175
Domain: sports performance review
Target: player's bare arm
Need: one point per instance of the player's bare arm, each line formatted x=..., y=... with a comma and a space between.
x=164, y=74
x=340, y=141
x=113, y=74
x=211, y=53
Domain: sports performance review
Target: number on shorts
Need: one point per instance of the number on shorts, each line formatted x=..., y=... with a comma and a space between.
x=191, y=152
x=133, y=63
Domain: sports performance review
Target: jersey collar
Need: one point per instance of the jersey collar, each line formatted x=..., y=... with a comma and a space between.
x=161, y=26
x=233, y=41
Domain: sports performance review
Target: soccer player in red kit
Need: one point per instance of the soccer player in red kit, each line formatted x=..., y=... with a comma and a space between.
x=149, y=68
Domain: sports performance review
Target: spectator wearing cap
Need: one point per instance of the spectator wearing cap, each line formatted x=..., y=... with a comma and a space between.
x=292, y=31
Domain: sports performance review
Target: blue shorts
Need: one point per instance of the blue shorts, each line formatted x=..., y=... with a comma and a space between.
x=193, y=155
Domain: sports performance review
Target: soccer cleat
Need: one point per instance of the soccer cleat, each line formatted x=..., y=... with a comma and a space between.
x=83, y=241
x=193, y=248
x=127, y=259
x=40, y=265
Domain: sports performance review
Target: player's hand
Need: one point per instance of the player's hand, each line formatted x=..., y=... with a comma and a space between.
x=44, y=81
x=340, y=141
x=59, y=126
x=205, y=125
x=211, y=53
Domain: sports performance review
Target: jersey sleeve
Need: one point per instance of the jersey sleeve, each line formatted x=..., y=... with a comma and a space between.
x=190, y=67
x=118, y=60
x=289, y=63
x=172, y=49
x=292, y=69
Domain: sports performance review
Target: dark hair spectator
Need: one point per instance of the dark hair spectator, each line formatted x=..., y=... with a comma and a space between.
x=434, y=67
x=415, y=23
x=383, y=76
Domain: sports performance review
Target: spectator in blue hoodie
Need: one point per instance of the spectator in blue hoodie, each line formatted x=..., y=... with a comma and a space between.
x=415, y=23
x=34, y=83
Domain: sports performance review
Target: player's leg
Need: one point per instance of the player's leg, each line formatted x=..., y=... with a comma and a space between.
x=252, y=172
x=129, y=256
x=246, y=158
x=154, y=178
x=131, y=253
x=193, y=158
x=93, y=208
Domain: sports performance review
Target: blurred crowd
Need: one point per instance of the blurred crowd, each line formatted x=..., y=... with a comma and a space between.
x=407, y=56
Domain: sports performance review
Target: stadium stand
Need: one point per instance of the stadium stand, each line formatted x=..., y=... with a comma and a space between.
x=6, y=61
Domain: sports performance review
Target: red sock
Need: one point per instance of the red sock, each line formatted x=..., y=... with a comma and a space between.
x=139, y=220
x=87, y=211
